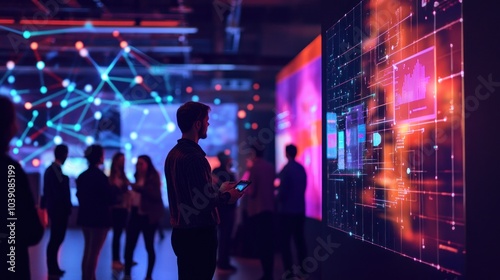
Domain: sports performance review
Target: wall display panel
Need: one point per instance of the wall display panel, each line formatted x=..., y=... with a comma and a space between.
x=298, y=119
x=393, y=111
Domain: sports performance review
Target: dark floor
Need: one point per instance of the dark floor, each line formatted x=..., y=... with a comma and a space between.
x=71, y=253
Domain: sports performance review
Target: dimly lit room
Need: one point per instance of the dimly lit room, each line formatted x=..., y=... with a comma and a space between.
x=249, y=139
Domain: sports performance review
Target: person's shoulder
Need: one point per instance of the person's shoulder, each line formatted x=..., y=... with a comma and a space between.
x=11, y=163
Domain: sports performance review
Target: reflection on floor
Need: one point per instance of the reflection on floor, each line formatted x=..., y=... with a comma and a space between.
x=71, y=253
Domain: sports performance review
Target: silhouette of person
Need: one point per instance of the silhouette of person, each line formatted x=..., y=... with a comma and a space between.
x=260, y=209
x=19, y=215
x=119, y=211
x=292, y=207
x=57, y=198
x=94, y=214
x=144, y=216
x=193, y=199
x=227, y=213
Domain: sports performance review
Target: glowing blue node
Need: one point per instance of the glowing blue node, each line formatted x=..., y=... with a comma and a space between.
x=11, y=79
x=408, y=170
x=58, y=140
x=65, y=83
x=43, y=89
x=90, y=99
x=35, y=143
x=247, y=125
x=17, y=99
x=133, y=135
x=64, y=103
x=170, y=98
x=97, y=101
x=146, y=111
x=49, y=123
x=216, y=101
x=158, y=99
x=40, y=65
x=71, y=87
x=195, y=98
x=26, y=34
x=98, y=115
x=89, y=140
x=154, y=94
x=128, y=146
x=48, y=104
x=13, y=92
x=104, y=77
x=77, y=127
x=30, y=124
x=19, y=143
x=126, y=104
x=58, y=127
x=35, y=113
x=15, y=151
x=170, y=127
x=27, y=140
x=88, y=88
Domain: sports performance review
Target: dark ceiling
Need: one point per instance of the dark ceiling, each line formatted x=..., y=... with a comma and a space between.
x=235, y=43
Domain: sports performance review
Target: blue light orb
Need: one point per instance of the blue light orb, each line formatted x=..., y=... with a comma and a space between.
x=64, y=103
x=216, y=101
x=40, y=65
x=58, y=140
x=11, y=79
x=43, y=89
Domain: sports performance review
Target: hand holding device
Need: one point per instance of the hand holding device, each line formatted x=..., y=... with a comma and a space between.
x=242, y=185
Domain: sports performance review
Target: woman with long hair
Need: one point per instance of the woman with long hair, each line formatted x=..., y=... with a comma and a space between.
x=146, y=212
x=119, y=182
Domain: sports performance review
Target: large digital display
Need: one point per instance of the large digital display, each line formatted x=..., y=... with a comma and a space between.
x=298, y=121
x=394, y=134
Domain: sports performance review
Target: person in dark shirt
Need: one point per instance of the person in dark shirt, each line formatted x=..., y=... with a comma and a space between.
x=227, y=212
x=292, y=208
x=193, y=199
x=146, y=216
x=19, y=216
x=94, y=214
x=57, y=200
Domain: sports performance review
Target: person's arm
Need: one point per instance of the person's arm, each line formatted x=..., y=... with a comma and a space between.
x=29, y=229
x=199, y=180
x=284, y=189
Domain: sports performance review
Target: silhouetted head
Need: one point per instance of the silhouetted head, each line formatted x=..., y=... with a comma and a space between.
x=193, y=117
x=291, y=151
x=94, y=154
x=146, y=168
x=61, y=153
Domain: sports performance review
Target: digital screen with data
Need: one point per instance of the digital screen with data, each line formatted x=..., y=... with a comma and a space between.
x=394, y=133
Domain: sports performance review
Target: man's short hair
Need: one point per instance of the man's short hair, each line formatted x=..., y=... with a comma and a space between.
x=189, y=113
x=61, y=152
x=291, y=150
x=94, y=153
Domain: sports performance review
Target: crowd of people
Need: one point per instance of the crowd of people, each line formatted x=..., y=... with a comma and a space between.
x=202, y=205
